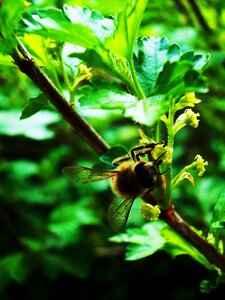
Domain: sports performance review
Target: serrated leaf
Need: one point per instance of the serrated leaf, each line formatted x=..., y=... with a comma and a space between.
x=178, y=78
x=105, y=94
x=198, y=61
x=100, y=26
x=154, y=236
x=34, y=105
x=149, y=110
x=143, y=241
x=149, y=58
x=151, y=54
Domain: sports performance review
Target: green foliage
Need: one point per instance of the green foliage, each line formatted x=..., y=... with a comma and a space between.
x=34, y=105
x=153, y=237
x=9, y=19
x=119, y=65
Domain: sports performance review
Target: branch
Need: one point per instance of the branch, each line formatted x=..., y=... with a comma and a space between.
x=172, y=218
x=28, y=66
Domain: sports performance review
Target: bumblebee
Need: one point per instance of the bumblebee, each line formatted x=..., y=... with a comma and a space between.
x=132, y=178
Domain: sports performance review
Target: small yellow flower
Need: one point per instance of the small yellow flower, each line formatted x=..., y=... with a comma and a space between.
x=188, y=100
x=159, y=150
x=84, y=72
x=150, y=212
x=200, y=164
x=187, y=118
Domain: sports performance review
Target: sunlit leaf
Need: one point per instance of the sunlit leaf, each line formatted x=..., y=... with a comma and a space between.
x=127, y=24
x=148, y=111
x=143, y=241
x=94, y=21
x=52, y=23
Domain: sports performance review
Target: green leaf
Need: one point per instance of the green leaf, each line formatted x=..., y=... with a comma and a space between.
x=127, y=23
x=105, y=94
x=154, y=236
x=10, y=15
x=14, y=266
x=176, y=245
x=144, y=241
x=35, y=128
x=149, y=58
x=198, y=61
x=52, y=23
x=179, y=77
x=218, y=218
x=149, y=110
x=101, y=27
x=66, y=221
x=34, y=105
x=6, y=60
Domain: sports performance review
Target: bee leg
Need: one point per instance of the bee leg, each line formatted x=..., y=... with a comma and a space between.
x=146, y=149
x=117, y=161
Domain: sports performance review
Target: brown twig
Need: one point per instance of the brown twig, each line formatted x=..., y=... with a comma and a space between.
x=28, y=66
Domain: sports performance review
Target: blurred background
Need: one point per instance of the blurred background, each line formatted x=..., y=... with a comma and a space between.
x=64, y=225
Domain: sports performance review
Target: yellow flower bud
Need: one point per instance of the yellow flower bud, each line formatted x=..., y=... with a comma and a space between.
x=187, y=118
x=150, y=212
x=188, y=100
x=200, y=164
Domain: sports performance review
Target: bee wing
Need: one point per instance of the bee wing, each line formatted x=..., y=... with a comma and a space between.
x=80, y=174
x=118, y=213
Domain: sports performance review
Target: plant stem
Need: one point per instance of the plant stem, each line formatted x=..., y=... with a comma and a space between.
x=140, y=93
x=28, y=66
x=168, y=174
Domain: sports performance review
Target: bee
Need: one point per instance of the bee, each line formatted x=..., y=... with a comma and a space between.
x=132, y=178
